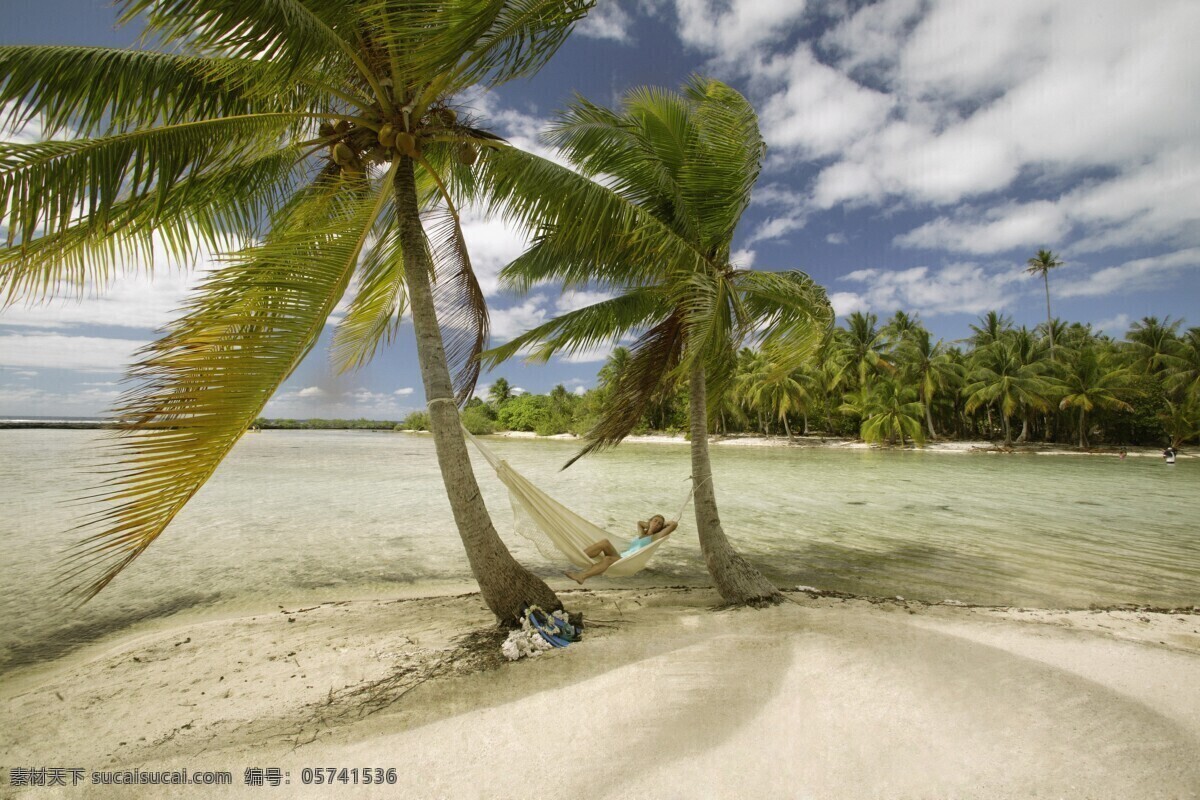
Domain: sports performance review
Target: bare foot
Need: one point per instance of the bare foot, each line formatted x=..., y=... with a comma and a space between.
x=573, y=576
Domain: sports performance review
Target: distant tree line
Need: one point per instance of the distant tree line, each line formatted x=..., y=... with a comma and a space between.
x=894, y=383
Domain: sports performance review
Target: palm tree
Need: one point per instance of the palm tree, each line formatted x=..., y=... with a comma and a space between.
x=678, y=169
x=1183, y=377
x=1041, y=264
x=866, y=345
x=999, y=378
x=992, y=326
x=930, y=366
x=321, y=133
x=499, y=393
x=1091, y=381
x=1181, y=421
x=1154, y=344
x=891, y=413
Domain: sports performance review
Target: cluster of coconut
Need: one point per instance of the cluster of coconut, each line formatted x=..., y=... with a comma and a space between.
x=354, y=143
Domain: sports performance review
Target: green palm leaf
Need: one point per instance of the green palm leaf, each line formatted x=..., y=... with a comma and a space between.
x=203, y=383
x=48, y=185
x=220, y=210
x=60, y=86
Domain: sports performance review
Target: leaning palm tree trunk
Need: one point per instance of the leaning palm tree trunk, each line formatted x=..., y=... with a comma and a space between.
x=507, y=587
x=736, y=579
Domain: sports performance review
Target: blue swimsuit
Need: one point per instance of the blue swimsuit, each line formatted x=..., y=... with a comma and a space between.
x=637, y=544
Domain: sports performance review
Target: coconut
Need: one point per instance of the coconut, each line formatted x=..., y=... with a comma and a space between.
x=406, y=143
x=387, y=135
x=467, y=154
x=342, y=126
x=342, y=154
x=446, y=116
x=326, y=130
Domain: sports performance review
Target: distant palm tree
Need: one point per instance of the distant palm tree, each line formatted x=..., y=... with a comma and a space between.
x=500, y=392
x=315, y=139
x=931, y=367
x=1154, y=344
x=1091, y=380
x=866, y=345
x=1184, y=376
x=992, y=326
x=891, y=413
x=1041, y=264
x=1181, y=421
x=998, y=377
x=678, y=170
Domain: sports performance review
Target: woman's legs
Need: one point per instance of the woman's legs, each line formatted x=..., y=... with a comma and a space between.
x=603, y=550
x=599, y=568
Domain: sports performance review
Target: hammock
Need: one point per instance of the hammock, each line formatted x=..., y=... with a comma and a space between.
x=552, y=526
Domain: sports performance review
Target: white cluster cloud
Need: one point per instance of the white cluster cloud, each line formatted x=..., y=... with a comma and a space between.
x=964, y=288
x=58, y=351
x=1086, y=110
x=606, y=21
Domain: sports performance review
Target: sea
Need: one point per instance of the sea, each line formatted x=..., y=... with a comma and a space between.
x=302, y=517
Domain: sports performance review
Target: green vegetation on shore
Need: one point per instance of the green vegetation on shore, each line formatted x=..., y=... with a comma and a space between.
x=894, y=382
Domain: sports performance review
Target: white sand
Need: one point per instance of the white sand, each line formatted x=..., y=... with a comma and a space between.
x=665, y=698
x=839, y=443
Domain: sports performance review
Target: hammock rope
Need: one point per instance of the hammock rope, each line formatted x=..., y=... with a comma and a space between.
x=553, y=528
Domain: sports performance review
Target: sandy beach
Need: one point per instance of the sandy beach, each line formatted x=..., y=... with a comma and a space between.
x=843, y=443
x=665, y=697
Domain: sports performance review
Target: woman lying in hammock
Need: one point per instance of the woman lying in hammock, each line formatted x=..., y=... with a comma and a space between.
x=650, y=530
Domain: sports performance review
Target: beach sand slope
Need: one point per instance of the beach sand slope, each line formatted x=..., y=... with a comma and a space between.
x=665, y=698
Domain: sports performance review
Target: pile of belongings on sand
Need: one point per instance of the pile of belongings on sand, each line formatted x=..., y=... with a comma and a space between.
x=539, y=632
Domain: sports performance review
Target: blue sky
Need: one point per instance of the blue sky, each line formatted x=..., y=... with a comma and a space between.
x=920, y=152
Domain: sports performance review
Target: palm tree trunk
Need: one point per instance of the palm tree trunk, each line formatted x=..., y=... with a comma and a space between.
x=929, y=422
x=1024, y=437
x=1083, y=442
x=805, y=424
x=1049, y=323
x=1007, y=430
x=787, y=427
x=507, y=587
x=738, y=582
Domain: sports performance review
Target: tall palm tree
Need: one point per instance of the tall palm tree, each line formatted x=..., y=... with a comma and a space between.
x=321, y=135
x=992, y=326
x=678, y=170
x=1041, y=264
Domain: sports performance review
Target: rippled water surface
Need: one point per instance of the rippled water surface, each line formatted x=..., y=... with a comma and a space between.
x=313, y=515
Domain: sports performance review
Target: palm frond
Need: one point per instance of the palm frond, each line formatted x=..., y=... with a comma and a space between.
x=606, y=322
x=653, y=364
x=297, y=34
x=791, y=309
x=461, y=308
x=48, y=185
x=220, y=210
x=471, y=42
x=596, y=234
x=98, y=90
x=202, y=384
x=718, y=175
x=377, y=308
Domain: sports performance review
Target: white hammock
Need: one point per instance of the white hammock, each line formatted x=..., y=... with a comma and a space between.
x=552, y=526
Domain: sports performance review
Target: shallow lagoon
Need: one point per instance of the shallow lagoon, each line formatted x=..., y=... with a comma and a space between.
x=304, y=516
